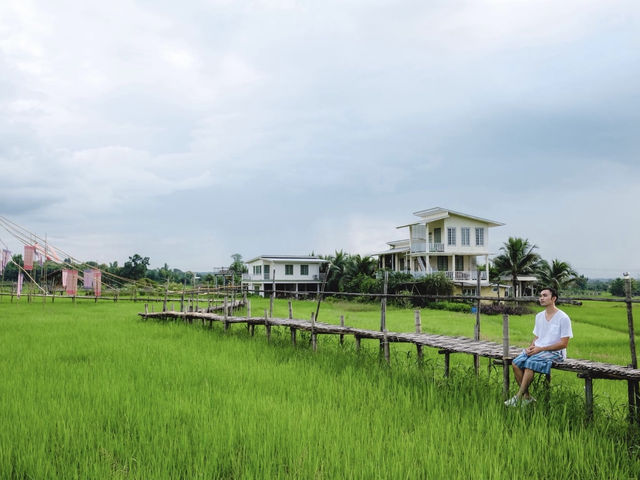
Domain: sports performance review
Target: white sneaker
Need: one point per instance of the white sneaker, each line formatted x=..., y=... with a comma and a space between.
x=512, y=402
x=528, y=401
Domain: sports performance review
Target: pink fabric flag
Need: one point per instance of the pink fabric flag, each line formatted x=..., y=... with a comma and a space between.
x=19, y=288
x=97, y=282
x=87, y=277
x=6, y=255
x=72, y=282
x=28, y=256
x=65, y=276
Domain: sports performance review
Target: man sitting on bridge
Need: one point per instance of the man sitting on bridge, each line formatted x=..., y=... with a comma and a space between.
x=552, y=332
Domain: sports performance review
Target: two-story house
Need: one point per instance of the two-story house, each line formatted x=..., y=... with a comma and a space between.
x=442, y=240
x=288, y=273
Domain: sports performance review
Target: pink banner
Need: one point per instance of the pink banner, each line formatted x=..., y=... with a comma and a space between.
x=97, y=282
x=29, y=250
x=87, y=277
x=72, y=282
x=65, y=276
x=6, y=256
x=19, y=288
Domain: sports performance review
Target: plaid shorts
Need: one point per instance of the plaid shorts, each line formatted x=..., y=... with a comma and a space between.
x=540, y=362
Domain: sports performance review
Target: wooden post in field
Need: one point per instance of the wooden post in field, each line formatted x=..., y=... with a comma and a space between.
x=146, y=309
x=290, y=310
x=476, y=330
x=418, y=330
x=505, y=356
x=357, y=339
x=249, y=316
x=383, y=313
x=314, y=337
x=293, y=335
x=273, y=291
x=267, y=327
x=226, y=314
x=166, y=295
x=342, y=325
x=184, y=287
x=632, y=385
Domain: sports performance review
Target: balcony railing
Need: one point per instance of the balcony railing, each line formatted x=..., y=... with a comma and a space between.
x=421, y=247
x=455, y=276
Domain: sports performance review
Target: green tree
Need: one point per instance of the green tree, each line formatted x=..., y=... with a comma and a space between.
x=237, y=267
x=335, y=271
x=357, y=265
x=556, y=274
x=517, y=258
x=135, y=268
x=616, y=287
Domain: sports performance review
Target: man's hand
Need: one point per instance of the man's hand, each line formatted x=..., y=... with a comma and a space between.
x=532, y=350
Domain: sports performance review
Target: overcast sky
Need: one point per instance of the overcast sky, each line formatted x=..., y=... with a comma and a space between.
x=189, y=131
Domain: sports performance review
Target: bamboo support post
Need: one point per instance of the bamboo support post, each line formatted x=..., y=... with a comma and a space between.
x=383, y=314
x=385, y=347
x=166, y=294
x=357, y=339
x=249, y=315
x=293, y=336
x=226, y=314
x=314, y=336
x=267, y=326
x=447, y=362
x=476, y=329
x=290, y=309
x=505, y=356
x=342, y=325
x=418, y=323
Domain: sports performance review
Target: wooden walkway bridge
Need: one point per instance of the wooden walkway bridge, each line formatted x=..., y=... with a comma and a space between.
x=446, y=345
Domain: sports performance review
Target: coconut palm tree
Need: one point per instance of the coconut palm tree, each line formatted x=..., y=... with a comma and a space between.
x=558, y=274
x=517, y=258
x=335, y=271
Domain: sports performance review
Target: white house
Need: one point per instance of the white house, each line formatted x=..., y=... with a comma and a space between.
x=442, y=240
x=292, y=273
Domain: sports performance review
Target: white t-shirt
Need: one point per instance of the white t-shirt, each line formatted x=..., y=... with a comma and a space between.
x=550, y=332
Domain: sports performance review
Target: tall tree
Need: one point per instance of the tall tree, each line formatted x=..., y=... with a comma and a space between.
x=335, y=271
x=517, y=258
x=557, y=274
x=135, y=268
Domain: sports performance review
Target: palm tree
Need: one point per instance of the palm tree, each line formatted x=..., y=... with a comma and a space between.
x=558, y=275
x=517, y=258
x=335, y=270
x=357, y=265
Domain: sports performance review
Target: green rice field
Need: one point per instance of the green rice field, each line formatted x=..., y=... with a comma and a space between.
x=91, y=391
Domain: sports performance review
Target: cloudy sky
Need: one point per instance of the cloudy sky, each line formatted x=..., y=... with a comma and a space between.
x=189, y=131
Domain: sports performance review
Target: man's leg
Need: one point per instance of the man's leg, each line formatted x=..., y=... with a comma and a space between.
x=517, y=372
x=527, y=378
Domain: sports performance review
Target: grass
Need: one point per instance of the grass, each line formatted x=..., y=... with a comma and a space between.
x=90, y=391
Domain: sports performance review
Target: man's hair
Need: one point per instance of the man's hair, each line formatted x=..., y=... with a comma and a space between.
x=551, y=290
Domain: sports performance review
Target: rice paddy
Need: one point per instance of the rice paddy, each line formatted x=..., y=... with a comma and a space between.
x=90, y=391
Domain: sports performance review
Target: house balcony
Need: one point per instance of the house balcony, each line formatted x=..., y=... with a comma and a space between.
x=457, y=276
x=424, y=247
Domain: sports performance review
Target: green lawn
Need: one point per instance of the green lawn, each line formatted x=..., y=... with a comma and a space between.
x=91, y=391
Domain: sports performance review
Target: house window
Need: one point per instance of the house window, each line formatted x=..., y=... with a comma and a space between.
x=466, y=236
x=288, y=269
x=437, y=235
x=443, y=264
x=451, y=236
x=479, y=236
x=304, y=269
x=459, y=263
x=266, y=272
x=257, y=269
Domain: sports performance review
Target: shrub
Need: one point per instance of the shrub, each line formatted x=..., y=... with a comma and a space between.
x=450, y=306
x=502, y=308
